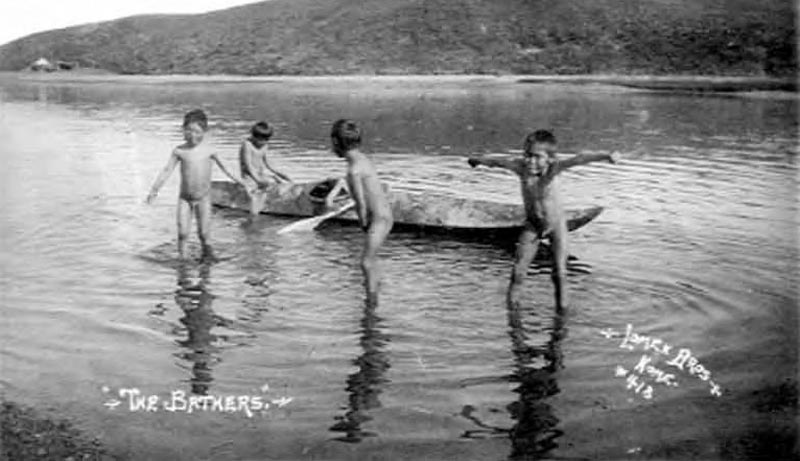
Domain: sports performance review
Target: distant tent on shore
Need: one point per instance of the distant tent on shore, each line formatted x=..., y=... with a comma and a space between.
x=42, y=64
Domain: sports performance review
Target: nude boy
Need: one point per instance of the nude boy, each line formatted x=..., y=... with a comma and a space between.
x=255, y=168
x=372, y=206
x=538, y=171
x=194, y=199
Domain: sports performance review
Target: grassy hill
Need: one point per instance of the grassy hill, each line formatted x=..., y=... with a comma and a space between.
x=720, y=37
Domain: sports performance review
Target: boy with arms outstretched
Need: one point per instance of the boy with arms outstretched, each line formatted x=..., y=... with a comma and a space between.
x=373, y=209
x=195, y=160
x=538, y=171
x=257, y=173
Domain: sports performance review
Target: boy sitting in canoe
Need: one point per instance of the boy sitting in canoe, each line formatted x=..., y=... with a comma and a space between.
x=196, y=160
x=255, y=167
x=373, y=208
x=538, y=170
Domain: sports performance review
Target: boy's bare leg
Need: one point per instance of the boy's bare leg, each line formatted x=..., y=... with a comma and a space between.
x=203, y=210
x=527, y=245
x=262, y=199
x=376, y=235
x=258, y=198
x=558, y=240
x=255, y=209
x=251, y=196
x=252, y=189
x=184, y=217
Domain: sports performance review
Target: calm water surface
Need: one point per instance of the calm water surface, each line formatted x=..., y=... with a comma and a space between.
x=697, y=246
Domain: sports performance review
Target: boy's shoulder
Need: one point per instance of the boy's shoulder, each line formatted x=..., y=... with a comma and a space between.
x=362, y=165
x=363, y=159
x=199, y=149
x=247, y=143
x=180, y=150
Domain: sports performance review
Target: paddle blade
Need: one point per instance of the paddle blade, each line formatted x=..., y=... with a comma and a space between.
x=303, y=225
x=310, y=224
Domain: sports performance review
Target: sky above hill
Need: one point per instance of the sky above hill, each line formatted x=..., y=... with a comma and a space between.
x=19, y=18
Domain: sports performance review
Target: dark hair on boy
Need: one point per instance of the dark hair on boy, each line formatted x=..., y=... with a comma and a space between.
x=346, y=134
x=539, y=136
x=262, y=131
x=196, y=116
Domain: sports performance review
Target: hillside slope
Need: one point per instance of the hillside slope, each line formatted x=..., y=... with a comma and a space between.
x=730, y=37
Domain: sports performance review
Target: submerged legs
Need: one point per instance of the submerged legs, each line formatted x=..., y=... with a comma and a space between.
x=527, y=245
x=559, y=275
x=203, y=211
x=376, y=235
x=184, y=217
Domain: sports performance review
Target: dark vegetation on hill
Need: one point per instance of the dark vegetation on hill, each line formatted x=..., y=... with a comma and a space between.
x=716, y=37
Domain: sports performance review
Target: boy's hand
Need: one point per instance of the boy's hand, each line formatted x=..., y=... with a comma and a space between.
x=150, y=197
x=473, y=162
x=614, y=157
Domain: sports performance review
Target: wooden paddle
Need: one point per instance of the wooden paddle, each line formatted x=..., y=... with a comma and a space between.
x=310, y=224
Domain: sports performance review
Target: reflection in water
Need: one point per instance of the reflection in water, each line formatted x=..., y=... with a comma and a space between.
x=364, y=385
x=49, y=94
x=260, y=263
x=536, y=430
x=199, y=318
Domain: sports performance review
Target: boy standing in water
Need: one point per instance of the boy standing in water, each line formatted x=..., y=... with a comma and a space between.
x=373, y=208
x=255, y=168
x=538, y=171
x=195, y=160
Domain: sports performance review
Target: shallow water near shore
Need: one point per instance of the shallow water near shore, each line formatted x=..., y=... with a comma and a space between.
x=697, y=247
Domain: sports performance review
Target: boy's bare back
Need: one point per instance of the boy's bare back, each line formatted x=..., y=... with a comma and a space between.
x=372, y=202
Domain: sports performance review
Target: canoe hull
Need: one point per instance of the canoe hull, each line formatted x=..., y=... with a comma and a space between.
x=409, y=209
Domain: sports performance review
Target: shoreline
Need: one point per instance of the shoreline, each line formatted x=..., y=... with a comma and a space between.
x=31, y=434
x=691, y=83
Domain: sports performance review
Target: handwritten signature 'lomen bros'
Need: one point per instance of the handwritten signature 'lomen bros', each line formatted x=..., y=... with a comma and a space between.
x=682, y=360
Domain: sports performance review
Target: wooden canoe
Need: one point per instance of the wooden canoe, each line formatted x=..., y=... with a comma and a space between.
x=411, y=210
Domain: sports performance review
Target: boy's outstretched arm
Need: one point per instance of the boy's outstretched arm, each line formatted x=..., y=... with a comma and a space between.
x=583, y=159
x=225, y=170
x=491, y=162
x=162, y=177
